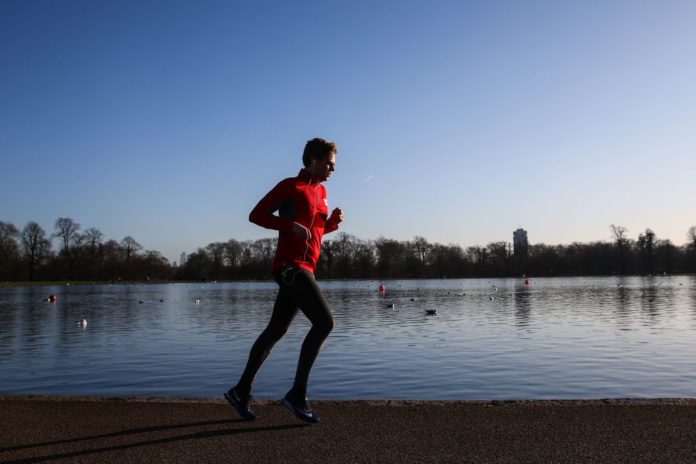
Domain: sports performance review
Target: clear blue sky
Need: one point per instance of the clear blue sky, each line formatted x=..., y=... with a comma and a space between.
x=457, y=121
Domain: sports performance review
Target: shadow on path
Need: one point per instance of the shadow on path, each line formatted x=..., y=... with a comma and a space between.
x=192, y=436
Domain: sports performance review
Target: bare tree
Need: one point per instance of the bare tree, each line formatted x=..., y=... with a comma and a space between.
x=232, y=257
x=153, y=266
x=343, y=252
x=447, y=261
x=8, y=234
x=691, y=236
x=391, y=256
x=479, y=257
x=35, y=246
x=93, y=247
x=421, y=247
x=9, y=250
x=328, y=251
x=619, y=233
x=197, y=264
x=93, y=237
x=216, y=251
x=264, y=249
x=112, y=257
x=500, y=254
x=233, y=251
x=364, y=259
x=69, y=233
x=130, y=247
x=646, y=248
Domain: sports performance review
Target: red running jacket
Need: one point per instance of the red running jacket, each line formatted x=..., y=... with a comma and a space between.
x=300, y=199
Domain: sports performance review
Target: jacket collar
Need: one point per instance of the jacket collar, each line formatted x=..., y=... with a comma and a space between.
x=307, y=176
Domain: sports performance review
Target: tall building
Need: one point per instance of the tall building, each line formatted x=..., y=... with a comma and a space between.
x=182, y=259
x=519, y=242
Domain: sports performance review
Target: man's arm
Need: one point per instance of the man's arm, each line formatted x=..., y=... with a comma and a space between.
x=262, y=214
x=333, y=221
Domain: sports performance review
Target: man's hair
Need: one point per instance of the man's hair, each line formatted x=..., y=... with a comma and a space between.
x=319, y=149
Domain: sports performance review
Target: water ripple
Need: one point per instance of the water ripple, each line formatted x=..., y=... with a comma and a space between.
x=490, y=339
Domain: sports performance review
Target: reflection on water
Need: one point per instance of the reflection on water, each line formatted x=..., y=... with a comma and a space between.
x=523, y=307
x=490, y=339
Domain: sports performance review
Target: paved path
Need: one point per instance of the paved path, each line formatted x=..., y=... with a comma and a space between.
x=153, y=430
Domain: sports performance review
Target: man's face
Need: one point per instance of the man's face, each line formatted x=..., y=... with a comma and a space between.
x=322, y=168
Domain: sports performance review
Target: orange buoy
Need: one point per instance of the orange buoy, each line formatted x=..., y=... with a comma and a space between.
x=381, y=288
x=526, y=282
x=52, y=298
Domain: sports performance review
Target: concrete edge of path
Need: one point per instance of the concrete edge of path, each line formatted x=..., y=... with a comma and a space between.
x=373, y=403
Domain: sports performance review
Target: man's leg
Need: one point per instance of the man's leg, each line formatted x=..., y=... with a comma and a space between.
x=309, y=298
x=312, y=303
x=284, y=312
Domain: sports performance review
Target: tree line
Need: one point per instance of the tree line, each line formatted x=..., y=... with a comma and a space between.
x=29, y=254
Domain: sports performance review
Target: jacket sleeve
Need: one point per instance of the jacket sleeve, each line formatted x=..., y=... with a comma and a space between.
x=330, y=226
x=262, y=214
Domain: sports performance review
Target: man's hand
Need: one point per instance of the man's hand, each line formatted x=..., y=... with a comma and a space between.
x=301, y=231
x=336, y=216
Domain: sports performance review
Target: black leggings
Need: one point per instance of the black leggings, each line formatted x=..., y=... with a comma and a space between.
x=298, y=291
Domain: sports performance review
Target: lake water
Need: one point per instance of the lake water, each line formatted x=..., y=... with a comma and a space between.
x=490, y=339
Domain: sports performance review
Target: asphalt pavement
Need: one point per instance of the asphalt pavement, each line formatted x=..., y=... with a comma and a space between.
x=179, y=430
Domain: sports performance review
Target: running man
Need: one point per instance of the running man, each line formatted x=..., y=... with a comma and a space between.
x=301, y=222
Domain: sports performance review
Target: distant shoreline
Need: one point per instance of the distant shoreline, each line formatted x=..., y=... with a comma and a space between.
x=122, y=282
x=376, y=279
